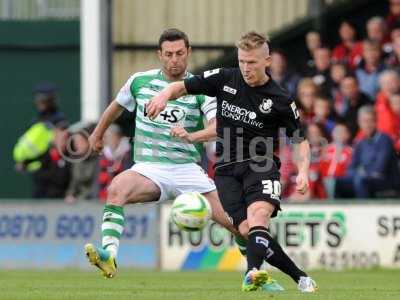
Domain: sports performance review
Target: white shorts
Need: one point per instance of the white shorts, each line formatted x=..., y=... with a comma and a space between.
x=174, y=180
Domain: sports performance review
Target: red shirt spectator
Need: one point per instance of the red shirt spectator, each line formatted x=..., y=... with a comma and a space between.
x=335, y=160
x=377, y=31
x=388, y=119
x=389, y=82
x=349, y=51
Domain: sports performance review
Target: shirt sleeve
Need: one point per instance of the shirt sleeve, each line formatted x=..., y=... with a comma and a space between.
x=291, y=122
x=207, y=83
x=209, y=107
x=125, y=97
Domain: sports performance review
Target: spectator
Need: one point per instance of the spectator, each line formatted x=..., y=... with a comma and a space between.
x=313, y=41
x=52, y=179
x=321, y=72
x=349, y=51
x=33, y=145
x=307, y=92
x=45, y=98
x=347, y=106
x=338, y=72
x=84, y=166
x=322, y=114
x=281, y=74
x=370, y=68
x=378, y=33
x=373, y=168
x=395, y=32
x=388, y=119
x=394, y=14
x=115, y=158
x=318, y=139
x=389, y=83
x=336, y=157
x=393, y=60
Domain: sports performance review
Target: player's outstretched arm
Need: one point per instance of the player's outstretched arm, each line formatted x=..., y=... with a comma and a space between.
x=207, y=134
x=302, y=160
x=112, y=112
x=158, y=103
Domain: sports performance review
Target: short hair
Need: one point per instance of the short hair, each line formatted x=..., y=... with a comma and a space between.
x=278, y=51
x=252, y=40
x=307, y=82
x=172, y=35
x=376, y=19
x=351, y=76
x=388, y=73
x=341, y=123
x=349, y=23
x=323, y=99
x=323, y=48
x=366, y=109
x=371, y=43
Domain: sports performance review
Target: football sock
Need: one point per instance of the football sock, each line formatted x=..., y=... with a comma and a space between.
x=241, y=243
x=112, y=227
x=257, y=247
x=279, y=259
x=261, y=246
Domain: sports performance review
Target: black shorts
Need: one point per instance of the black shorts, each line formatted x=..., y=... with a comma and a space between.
x=240, y=184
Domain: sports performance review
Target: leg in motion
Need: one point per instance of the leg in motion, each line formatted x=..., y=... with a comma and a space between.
x=127, y=187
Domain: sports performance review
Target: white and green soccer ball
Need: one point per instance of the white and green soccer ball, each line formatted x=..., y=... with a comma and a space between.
x=191, y=211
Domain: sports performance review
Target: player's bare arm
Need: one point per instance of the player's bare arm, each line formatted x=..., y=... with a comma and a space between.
x=159, y=102
x=207, y=134
x=112, y=112
x=302, y=160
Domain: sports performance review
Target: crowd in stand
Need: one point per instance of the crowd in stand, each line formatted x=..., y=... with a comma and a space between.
x=349, y=102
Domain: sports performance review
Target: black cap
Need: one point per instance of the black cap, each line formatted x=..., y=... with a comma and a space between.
x=45, y=88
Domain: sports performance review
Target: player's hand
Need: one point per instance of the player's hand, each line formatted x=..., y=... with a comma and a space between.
x=96, y=143
x=181, y=133
x=156, y=105
x=302, y=183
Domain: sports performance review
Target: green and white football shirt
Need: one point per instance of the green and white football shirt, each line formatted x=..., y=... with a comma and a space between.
x=153, y=142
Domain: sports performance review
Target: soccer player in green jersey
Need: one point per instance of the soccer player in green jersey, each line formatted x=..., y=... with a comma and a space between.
x=166, y=149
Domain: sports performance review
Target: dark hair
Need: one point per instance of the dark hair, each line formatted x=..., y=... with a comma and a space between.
x=352, y=76
x=172, y=35
x=396, y=25
x=321, y=128
x=349, y=23
x=280, y=52
x=341, y=123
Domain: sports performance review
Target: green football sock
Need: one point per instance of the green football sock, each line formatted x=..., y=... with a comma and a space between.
x=112, y=228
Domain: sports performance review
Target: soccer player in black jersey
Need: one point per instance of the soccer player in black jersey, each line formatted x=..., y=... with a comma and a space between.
x=251, y=108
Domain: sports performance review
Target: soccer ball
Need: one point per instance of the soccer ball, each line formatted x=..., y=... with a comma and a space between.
x=191, y=211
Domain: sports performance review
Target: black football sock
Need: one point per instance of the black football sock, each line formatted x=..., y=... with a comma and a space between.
x=257, y=246
x=279, y=259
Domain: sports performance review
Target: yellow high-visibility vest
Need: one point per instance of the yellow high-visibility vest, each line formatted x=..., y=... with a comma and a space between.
x=33, y=144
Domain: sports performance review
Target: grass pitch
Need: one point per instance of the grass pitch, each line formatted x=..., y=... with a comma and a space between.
x=152, y=285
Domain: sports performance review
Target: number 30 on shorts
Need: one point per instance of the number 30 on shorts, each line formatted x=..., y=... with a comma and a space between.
x=271, y=187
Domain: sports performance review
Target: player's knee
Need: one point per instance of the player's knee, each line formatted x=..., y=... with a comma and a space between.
x=259, y=213
x=116, y=193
